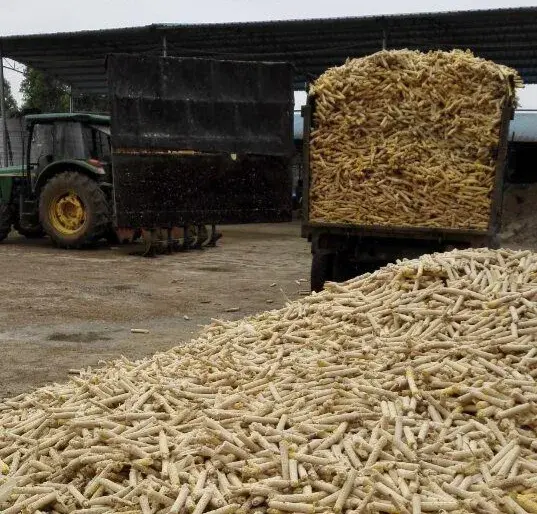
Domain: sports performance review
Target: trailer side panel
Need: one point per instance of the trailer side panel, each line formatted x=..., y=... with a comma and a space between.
x=200, y=140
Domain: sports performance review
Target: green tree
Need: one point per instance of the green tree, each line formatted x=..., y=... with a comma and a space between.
x=91, y=103
x=10, y=103
x=44, y=93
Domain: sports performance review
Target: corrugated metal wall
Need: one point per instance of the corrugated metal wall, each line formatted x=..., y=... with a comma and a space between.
x=15, y=141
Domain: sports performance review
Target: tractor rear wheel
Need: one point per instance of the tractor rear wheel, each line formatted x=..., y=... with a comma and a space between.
x=6, y=220
x=73, y=210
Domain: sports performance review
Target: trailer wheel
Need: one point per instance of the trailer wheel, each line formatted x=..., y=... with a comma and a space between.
x=111, y=236
x=6, y=220
x=322, y=265
x=342, y=268
x=73, y=210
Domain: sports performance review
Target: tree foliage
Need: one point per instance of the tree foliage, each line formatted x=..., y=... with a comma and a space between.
x=10, y=103
x=91, y=103
x=44, y=93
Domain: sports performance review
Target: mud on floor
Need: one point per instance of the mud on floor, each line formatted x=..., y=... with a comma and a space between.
x=63, y=309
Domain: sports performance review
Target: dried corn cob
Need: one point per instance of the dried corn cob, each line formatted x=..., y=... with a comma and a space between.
x=385, y=419
x=404, y=138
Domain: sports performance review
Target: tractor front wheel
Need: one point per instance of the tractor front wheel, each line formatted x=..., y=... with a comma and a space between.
x=6, y=220
x=73, y=210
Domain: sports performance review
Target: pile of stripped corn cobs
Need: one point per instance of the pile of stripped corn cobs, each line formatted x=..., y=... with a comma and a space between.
x=404, y=138
x=408, y=390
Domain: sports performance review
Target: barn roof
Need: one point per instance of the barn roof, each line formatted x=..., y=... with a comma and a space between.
x=504, y=35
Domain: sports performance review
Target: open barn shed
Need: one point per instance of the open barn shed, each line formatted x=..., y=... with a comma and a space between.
x=78, y=58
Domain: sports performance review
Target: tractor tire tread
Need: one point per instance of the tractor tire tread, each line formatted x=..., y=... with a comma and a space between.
x=100, y=219
x=33, y=232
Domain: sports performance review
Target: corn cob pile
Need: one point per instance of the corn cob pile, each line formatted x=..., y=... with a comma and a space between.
x=408, y=390
x=403, y=138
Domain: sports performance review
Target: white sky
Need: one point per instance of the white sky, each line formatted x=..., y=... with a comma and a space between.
x=39, y=16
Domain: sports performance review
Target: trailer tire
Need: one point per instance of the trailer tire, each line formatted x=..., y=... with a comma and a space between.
x=322, y=266
x=6, y=220
x=111, y=236
x=73, y=210
x=342, y=268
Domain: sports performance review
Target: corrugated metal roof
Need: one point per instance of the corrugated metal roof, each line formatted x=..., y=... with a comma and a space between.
x=503, y=35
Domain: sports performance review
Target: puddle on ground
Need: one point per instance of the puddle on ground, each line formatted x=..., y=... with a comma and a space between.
x=78, y=337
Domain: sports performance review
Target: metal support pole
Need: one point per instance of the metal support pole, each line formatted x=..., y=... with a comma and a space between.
x=3, y=110
x=70, y=99
x=384, y=39
x=164, y=46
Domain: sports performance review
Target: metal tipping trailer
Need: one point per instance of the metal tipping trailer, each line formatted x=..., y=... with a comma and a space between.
x=190, y=142
x=341, y=251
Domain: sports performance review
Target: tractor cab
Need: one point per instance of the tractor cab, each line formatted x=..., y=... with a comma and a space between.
x=59, y=139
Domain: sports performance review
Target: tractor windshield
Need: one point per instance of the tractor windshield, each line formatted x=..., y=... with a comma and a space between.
x=97, y=139
x=69, y=140
x=75, y=140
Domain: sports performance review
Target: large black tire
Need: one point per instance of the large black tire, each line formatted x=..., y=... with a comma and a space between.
x=73, y=210
x=322, y=267
x=370, y=267
x=345, y=268
x=341, y=268
x=6, y=220
x=29, y=231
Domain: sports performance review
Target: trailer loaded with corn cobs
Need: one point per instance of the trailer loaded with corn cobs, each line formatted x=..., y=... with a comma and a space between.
x=404, y=154
x=189, y=143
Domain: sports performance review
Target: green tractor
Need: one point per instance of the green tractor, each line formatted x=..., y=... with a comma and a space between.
x=64, y=188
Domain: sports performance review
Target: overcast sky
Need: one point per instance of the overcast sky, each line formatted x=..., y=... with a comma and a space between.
x=38, y=16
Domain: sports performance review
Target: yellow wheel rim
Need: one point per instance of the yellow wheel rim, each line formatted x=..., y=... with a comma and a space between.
x=67, y=213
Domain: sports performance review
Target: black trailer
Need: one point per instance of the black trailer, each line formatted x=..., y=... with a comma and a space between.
x=341, y=251
x=200, y=141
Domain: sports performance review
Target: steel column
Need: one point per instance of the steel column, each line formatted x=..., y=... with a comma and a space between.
x=164, y=46
x=3, y=110
x=384, y=39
